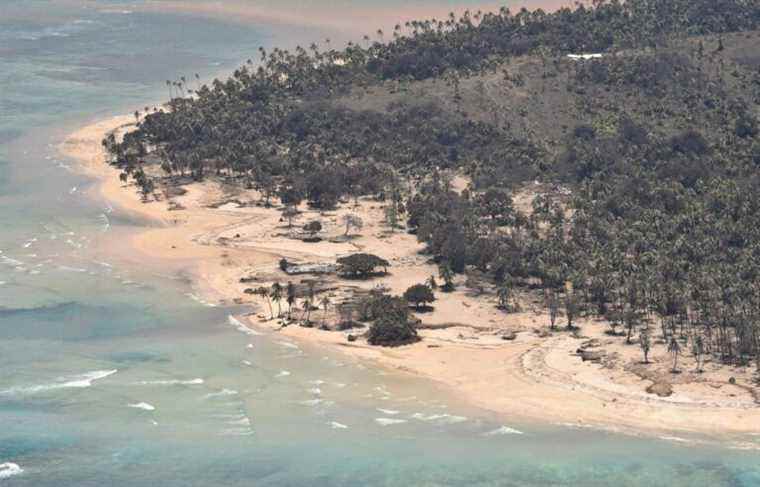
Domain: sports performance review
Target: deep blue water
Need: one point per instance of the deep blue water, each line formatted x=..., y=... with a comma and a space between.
x=111, y=373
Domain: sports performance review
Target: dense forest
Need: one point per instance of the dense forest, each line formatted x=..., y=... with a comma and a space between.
x=652, y=149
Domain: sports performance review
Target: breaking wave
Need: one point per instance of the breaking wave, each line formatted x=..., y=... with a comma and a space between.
x=439, y=418
x=240, y=326
x=75, y=381
x=142, y=405
x=222, y=393
x=8, y=470
x=173, y=382
x=503, y=430
x=389, y=421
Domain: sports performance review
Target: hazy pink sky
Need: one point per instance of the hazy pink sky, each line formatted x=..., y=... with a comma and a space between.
x=347, y=19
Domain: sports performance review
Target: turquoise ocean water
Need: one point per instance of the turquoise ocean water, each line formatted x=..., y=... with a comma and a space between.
x=116, y=375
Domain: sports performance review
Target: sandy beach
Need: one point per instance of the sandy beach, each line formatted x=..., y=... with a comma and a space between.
x=538, y=375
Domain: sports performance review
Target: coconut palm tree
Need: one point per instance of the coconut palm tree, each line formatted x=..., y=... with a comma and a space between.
x=308, y=301
x=276, y=294
x=290, y=297
x=674, y=348
x=263, y=292
x=325, y=302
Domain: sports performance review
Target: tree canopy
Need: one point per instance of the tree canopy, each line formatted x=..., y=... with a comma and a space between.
x=361, y=265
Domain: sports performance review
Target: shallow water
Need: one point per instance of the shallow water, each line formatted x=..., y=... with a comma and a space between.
x=112, y=373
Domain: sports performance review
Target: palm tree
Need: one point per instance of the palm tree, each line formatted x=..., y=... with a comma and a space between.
x=325, y=302
x=503, y=294
x=552, y=304
x=675, y=348
x=277, y=297
x=308, y=301
x=291, y=297
x=645, y=343
x=264, y=293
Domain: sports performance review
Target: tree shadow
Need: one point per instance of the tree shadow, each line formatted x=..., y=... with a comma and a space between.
x=422, y=309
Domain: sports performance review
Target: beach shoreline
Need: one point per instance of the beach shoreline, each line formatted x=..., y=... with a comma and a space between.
x=535, y=378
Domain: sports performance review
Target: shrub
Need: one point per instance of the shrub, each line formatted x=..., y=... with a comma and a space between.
x=313, y=228
x=745, y=126
x=584, y=132
x=392, y=330
x=689, y=142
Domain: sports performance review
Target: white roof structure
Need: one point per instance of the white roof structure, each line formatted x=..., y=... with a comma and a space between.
x=584, y=57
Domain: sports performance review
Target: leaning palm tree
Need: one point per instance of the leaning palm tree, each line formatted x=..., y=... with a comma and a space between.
x=264, y=293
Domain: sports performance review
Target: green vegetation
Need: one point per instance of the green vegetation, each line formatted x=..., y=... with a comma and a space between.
x=419, y=295
x=647, y=211
x=391, y=323
x=361, y=266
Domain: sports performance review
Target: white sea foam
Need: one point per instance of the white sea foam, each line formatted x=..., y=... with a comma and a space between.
x=106, y=221
x=71, y=269
x=11, y=262
x=439, y=418
x=315, y=402
x=9, y=469
x=246, y=362
x=240, y=326
x=389, y=421
x=382, y=390
x=391, y=412
x=503, y=430
x=237, y=432
x=142, y=405
x=317, y=382
x=337, y=426
x=29, y=243
x=249, y=346
x=316, y=391
x=199, y=300
x=74, y=381
x=240, y=422
x=674, y=438
x=288, y=345
x=283, y=373
x=576, y=425
x=223, y=393
x=173, y=382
